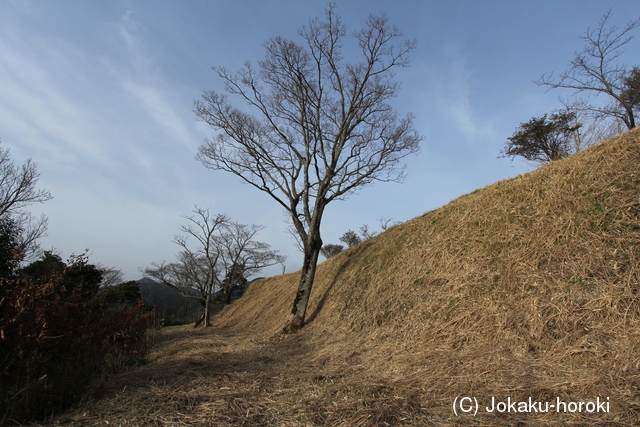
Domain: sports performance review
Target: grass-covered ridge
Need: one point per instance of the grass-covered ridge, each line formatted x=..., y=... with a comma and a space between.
x=527, y=288
x=529, y=285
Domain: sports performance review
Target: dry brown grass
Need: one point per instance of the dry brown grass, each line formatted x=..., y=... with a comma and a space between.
x=527, y=288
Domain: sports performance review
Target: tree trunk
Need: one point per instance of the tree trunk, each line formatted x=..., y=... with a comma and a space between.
x=207, y=307
x=312, y=251
x=199, y=321
x=632, y=119
x=203, y=316
x=227, y=296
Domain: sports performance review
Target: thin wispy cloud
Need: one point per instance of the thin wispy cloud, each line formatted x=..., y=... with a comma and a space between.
x=100, y=95
x=159, y=109
x=454, y=93
x=42, y=96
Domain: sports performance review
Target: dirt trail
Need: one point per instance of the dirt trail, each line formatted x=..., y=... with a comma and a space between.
x=220, y=378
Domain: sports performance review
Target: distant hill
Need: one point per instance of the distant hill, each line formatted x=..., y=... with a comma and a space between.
x=174, y=307
x=169, y=304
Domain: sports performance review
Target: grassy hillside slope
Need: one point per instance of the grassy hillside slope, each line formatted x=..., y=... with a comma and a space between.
x=525, y=288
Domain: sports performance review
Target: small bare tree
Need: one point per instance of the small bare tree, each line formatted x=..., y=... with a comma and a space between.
x=350, y=238
x=224, y=249
x=111, y=276
x=594, y=70
x=196, y=268
x=322, y=128
x=330, y=250
x=241, y=256
x=17, y=191
x=593, y=130
x=385, y=223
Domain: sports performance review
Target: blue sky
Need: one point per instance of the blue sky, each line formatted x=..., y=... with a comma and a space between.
x=100, y=95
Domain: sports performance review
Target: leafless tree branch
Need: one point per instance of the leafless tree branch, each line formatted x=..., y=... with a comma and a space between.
x=595, y=70
x=222, y=246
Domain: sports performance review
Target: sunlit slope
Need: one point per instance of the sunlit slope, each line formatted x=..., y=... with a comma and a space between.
x=527, y=284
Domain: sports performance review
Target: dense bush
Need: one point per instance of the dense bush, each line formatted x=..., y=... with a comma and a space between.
x=56, y=335
x=9, y=246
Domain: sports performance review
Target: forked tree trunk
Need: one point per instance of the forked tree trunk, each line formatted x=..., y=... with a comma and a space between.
x=296, y=319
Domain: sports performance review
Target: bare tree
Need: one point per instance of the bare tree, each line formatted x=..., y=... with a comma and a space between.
x=17, y=191
x=241, y=256
x=593, y=130
x=350, y=238
x=202, y=262
x=111, y=276
x=319, y=128
x=197, y=267
x=594, y=70
x=179, y=276
x=365, y=232
x=224, y=248
x=330, y=250
x=385, y=223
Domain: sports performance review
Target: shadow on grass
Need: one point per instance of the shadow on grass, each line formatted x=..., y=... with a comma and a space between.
x=353, y=253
